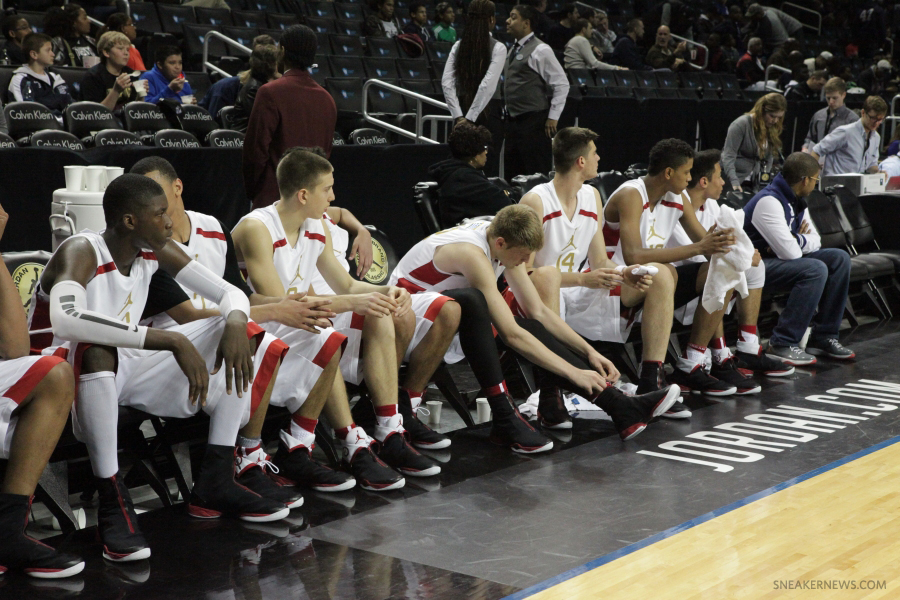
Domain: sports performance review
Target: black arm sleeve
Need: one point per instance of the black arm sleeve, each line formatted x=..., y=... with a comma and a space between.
x=165, y=293
x=232, y=273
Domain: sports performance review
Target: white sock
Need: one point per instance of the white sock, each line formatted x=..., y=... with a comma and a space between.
x=301, y=434
x=720, y=355
x=748, y=342
x=226, y=417
x=96, y=420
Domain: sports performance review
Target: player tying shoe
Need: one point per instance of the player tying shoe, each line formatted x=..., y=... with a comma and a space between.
x=96, y=285
x=702, y=191
x=641, y=216
x=35, y=398
x=464, y=263
x=282, y=246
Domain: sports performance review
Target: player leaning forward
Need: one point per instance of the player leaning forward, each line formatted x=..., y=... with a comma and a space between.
x=97, y=285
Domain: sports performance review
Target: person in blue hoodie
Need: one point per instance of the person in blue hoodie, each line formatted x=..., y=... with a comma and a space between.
x=165, y=79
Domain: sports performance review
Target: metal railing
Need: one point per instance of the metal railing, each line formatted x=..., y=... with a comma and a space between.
x=699, y=45
x=773, y=88
x=817, y=28
x=419, y=98
x=892, y=118
x=228, y=41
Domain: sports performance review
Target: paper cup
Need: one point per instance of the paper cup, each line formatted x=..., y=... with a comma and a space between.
x=113, y=172
x=434, y=408
x=90, y=61
x=95, y=179
x=140, y=87
x=187, y=99
x=482, y=410
x=74, y=178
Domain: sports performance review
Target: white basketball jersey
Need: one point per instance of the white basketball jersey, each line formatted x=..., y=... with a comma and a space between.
x=656, y=225
x=707, y=215
x=566, y=241
x=340, y=241
x=109, y=292
x=296, y=266
x=416, y=271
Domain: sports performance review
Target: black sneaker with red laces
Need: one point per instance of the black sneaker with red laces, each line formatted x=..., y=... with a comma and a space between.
x=727, y=371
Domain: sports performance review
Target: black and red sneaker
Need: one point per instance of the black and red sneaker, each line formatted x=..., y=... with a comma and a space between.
x=294, y=465
x=370, y=472
x=728, y=372
x=22, y=552
x=254, y=471
x=698, y=381
x=217, y=494
x=551, y=412
x=420, y=434
x=677, y=410
x=396, y=451
x=117, y=522
x=761, y=364
x=509, y=428
x=631, y=414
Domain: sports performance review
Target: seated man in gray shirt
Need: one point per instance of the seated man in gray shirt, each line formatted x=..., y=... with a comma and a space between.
x=833, y=116
x=854, y=148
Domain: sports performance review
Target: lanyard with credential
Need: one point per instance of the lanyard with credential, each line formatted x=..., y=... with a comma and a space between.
x=865, y=149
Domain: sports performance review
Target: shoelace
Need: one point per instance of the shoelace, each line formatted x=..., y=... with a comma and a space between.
x=264, y=463
x=796, y=349
x=420, y=410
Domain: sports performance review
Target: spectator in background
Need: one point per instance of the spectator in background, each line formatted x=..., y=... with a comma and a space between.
x=602, y=38
x=876, y=78
x=560, y=33
x=123, y=24
x=853, y=148
x=809, y=90
x=661, y=56
x=753, y=142
x=109, y=83
x=418, y=22
x=833, y=116
x=69, y=27
x=34, y=81
x=730, y=51
x=291, y=111
x=383, y=23
x=464, y=190
x=263, y=69
x=224, y=92
x=579, y=54
x=869, y=28
x=765, y=25
x=891, y=164
x=750, y=70
x=626, y=53
x=542, y=23
x=719, y=61
x=443, y=28
x=732, y=26
x=15, y=28
x=472, y=73
x=820, y=62
x=166, y=80
x=780, y=56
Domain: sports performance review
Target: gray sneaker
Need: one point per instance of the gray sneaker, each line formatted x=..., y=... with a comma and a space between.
x=791, y=355
x=831, y=348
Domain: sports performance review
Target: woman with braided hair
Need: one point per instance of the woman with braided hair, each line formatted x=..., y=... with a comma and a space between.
x=472, y=73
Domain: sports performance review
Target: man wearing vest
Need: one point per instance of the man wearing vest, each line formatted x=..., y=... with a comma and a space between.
x=531, y=74
x=817, y=278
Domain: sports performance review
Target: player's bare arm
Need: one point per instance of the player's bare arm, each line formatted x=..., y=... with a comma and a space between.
x=14, y=341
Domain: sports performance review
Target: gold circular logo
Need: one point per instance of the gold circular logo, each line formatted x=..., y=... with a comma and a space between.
x=26, y=278
x=378, y=272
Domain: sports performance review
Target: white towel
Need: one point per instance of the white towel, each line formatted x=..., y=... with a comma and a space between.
x=726, y=271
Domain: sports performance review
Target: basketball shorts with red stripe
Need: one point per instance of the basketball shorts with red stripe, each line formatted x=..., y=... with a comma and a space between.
x=598, y=314
x=18, y=377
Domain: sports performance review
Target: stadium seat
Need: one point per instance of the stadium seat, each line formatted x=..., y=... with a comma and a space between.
x=366, y=136
x=667, y=79
x=605, y=78
x=226, y=117
x=26, y=118
x=213, y=16
x=626, y=79
x=321, y=70
x=281, y=21
x=54, y=138
x=412, y=69
x=645, y=93
x=691, y=81
x=607, y=183
x=193, y=44
x=262, y=5
x=526, y=182
x=35, y=19
x=225, y=138
x=196, y=120
x=667, y=93
x=72, y=76
x=438, y=67
x=116, y=137
x=173, y=17
x=347, y=93
x=322, y=10
x=200, y=83
x=710, y=81
x=345, y=45
x=175, y=138
x=84, y=119
x=646, y=79
x=346, y=66
x=354, y=28
x=249, y=18
x=383, y=100
x=6, y=75
x=146, y=19
x=144, y=119
x=438, y=50
x=860, y=233
x=729, y=81
x=6, y=141
x=620, y=92
x=321, y=24
x=346, y=10
x=595, y=92
x=425, y=198
x=581, y=77
x=728, y=94
x=382, y=47
x=337, y=140
x=381, y=68
x=243, y=36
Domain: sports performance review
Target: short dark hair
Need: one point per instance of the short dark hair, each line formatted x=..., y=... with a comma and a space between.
x=875, y=104
x=580, y=24
x=669, y=153
x=468, y=140
x=569, y=144
x=300, y=169
x=263, y=40
x=415, y=6
x=797, y=166
x=33, y=42
x=164, y=52
x=264, y=62
x=150, y=164
x=9, y=24
x=528, y=13
x=128, y=194
x=300, y=44
x=632, y=25
x=819, y=74
x=704, y=165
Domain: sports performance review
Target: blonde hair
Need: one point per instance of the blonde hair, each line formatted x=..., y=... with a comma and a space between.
x=110, y=40
x=768, y=139
x=519, y=226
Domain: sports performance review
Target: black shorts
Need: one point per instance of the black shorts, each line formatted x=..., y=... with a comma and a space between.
x=686, y=288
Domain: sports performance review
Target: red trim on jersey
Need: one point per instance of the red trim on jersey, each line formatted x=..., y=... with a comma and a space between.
x=216, y=235
x=552, y=215
x=428, y=274
x=409, y=286
x=314, y=236
x=33, y=376
x=672, y=204
x=357, y=321
x=616, y=291
x=588, y=213
x=279, y=244
x=274, y=354
x=326, y=352
x=513, y=304
x=646, y=206
x=435, y=307
x=148, y=256
x=110, y=266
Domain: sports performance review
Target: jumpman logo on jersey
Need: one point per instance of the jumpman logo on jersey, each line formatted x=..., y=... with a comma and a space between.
x=653, y=233
x=571, y=243
x=297, y=275
x=128, y=303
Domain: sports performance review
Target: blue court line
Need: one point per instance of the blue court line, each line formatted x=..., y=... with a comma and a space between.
x=607, y=558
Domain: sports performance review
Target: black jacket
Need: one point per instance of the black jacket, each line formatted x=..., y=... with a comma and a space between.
x=465, y=192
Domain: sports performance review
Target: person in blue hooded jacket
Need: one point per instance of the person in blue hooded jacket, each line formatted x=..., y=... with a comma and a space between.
x=165, y=79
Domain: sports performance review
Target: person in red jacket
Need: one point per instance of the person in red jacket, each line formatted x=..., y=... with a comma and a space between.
x=291, y=111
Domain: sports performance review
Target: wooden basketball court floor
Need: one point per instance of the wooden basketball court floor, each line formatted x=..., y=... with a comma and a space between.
x=791, y=493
